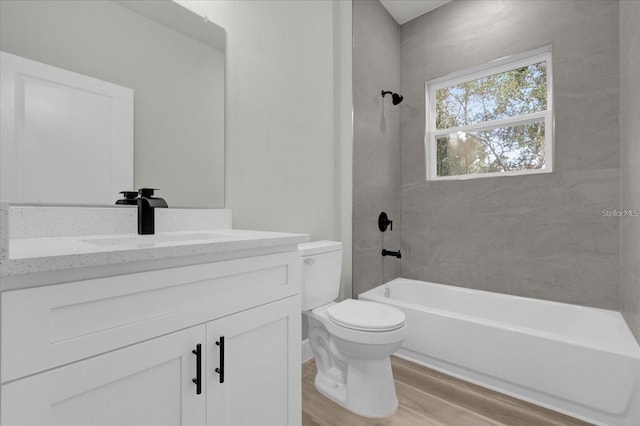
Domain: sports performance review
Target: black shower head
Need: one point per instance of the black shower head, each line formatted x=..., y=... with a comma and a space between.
x=395, y=98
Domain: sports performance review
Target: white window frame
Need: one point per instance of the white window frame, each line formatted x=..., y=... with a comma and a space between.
x=494, y=67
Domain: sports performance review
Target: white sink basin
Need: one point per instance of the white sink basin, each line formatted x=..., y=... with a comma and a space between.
x=151, y=240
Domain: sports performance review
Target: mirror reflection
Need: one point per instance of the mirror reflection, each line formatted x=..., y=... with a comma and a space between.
x=173, y=60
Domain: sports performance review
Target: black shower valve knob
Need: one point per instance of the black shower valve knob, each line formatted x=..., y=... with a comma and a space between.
x=384, y=222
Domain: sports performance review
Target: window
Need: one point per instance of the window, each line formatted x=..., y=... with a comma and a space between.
x=493, y=120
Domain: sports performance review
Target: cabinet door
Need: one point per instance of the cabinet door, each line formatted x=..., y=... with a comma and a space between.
x=149, y=383
x=261, y=366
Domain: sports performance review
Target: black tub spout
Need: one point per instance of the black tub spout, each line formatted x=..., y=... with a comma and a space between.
x=391, y=253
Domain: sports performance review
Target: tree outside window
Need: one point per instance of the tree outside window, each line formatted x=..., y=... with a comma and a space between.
x=493, y=122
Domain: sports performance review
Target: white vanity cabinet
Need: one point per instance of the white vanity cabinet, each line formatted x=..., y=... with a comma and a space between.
x=261, y=367
x=145, y=384
x=120, y=350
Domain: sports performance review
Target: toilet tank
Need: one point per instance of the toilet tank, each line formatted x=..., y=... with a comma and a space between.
x=321, y=269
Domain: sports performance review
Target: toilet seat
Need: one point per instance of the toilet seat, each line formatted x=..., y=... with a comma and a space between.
x=368, y=336
x=366, y=316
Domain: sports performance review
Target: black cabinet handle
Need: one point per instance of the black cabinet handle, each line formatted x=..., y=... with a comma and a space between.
x=220, y=370
x=198, y=380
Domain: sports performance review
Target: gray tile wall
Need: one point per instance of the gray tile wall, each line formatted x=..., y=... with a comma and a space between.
x=376, y=150
x=540, y=236
x=630, y=163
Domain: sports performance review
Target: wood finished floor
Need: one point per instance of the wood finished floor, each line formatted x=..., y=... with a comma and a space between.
x=428, y=397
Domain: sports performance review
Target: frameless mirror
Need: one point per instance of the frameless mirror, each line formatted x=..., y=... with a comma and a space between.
x=173, y=60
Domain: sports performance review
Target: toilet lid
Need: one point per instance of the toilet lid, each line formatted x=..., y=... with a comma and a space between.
x=368, y=316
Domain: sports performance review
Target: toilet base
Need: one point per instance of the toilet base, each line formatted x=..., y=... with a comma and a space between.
x=369, y=390
x=335, y=391
x=354, y=369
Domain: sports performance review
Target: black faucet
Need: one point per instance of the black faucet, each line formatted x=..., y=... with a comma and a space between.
x=147, y=204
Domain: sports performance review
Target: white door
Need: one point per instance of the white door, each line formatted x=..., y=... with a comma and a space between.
x=65, y=137
x=149, y=383
x=261, y=366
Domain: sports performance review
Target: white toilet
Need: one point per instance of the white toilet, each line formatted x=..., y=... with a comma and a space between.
x=351, y=340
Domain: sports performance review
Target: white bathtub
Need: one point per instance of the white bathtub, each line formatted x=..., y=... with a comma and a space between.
x=581, y=361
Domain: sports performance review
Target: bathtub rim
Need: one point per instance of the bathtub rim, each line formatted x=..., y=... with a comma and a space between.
x=633, y=351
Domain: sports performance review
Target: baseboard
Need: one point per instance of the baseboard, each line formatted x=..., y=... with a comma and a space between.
x=306, y=351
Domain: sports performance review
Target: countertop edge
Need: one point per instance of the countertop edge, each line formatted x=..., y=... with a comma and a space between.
x=15, y=268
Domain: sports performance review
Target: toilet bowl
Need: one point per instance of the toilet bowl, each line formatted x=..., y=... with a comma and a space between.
x=350, y=340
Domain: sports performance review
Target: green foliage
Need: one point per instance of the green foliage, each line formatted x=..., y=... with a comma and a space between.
x=508, y=94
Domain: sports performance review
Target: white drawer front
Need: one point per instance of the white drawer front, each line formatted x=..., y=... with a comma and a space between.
x=49, y=326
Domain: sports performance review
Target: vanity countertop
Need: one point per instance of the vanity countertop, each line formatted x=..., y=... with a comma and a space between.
x=57, y=254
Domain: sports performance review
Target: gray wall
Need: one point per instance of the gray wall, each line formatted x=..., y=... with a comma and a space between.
x=178, y=83
x=540, y=236
x=376, y=144
x=629, y=164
